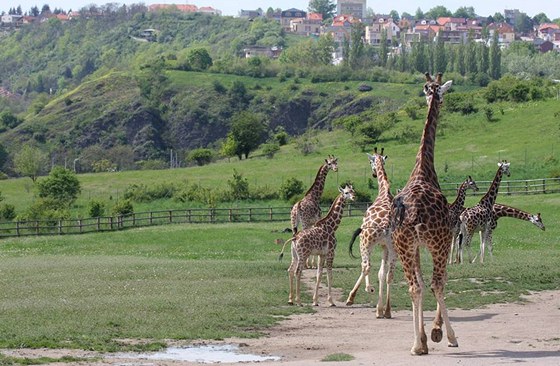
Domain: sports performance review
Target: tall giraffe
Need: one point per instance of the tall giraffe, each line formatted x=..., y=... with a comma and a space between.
x=455, y=210
x=320, y=240
x=420, y=217
x=375, y=229
x=499, y=211
x=480, y=217
x=307, y=211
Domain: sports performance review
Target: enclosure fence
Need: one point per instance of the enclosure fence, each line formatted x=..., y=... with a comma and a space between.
x=232, y=215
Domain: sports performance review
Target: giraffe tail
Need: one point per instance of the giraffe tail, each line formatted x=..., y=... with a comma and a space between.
x=354, y=236
x=399, y=211
x=284, y=246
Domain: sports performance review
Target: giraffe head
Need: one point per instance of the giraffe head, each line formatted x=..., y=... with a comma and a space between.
x=373, y=160
x=347, y=192
x=504, y=166
x=434, y=89
x=471, y=184
x=331, y=163
x=536, y=220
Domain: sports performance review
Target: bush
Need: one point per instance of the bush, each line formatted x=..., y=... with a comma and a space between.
x=270, y=149
x=292, y=187
x=200, y=156
x=61, y=185
x=7, y=212
x=123, y=207
x=96, y=208
x=145, y=193
x=460, y=102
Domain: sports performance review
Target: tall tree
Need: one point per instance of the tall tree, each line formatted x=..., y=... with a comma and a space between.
x=495, y=59
x=384, y=48
x=325, y=48
x=440, y=59
x=465, y=12
x=325, y=7
x=356, y=44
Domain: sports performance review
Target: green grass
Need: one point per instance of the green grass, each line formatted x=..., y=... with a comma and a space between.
x=338, y=357
x=215, y=281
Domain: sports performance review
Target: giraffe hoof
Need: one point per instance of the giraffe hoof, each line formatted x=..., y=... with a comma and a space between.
x=437, y=335
x=349, y=303
x=332, y=305
x=290, y=303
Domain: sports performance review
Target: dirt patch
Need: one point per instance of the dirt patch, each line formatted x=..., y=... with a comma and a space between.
x=527, y=333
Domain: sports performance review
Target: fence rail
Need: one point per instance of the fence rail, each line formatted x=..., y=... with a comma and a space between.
x=227, y=215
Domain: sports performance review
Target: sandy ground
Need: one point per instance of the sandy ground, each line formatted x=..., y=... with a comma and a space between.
x=522, y=333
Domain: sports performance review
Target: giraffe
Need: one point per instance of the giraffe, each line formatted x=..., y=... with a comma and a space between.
x=499, y=210
x=375, y=229
x=480, y=216
x=420, y=217
x=320, y=240
x=455, y=210
x=307, y=211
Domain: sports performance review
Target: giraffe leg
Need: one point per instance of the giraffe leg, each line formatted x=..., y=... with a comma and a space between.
x=381, y=277
x=299, y=270
x=365, y=251
x=291, y=274
x=329, y=263
x=392, y=259
x=318, y=280
x=438, y=284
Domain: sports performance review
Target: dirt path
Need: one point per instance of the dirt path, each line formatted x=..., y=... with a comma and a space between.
x=527, y=334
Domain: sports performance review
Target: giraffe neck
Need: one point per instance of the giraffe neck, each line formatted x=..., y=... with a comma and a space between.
x=490, y=197
x=382, y=180
x=334, y=216
x=461, y=195
x=424, y=168
x=316, y=189
x=508, y=211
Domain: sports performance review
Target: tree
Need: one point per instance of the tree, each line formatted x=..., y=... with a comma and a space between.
x=29, y=162
x=540, y=18
x=62, y=185
x=325, y=7
x=393, y=14
x=465, y=12
x=419, y=15
x=356, y=44
x=9, y=120
x=495, y=59
x=438, y=11
x=247, y=130
x=325, y=49
x=199, y=59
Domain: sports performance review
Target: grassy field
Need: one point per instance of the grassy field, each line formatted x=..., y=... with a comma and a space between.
x=215, y=281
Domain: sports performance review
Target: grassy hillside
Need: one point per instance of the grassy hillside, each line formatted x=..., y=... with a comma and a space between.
x=527, y=135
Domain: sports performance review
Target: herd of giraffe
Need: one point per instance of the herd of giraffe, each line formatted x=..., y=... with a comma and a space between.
x=419, y=215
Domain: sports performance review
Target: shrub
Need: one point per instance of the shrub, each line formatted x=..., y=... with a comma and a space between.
x=489, y=114
x=96, y=208
x=123, y=207
x=7, y=212
x=61, y=185
x=238, y=186
x=270, y=149
x=200, y=156
x=292, y=187
x=460, y=102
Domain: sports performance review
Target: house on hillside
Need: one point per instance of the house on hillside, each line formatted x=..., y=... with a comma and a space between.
x=184, y=8
x=12, y=19
x=262, y=51
x=506, y=33
x=250, y=14
x=374, y=32
x=289, y=15
x=549, y=32
x=307, y=26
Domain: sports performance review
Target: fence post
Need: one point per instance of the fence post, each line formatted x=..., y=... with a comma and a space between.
x=230, y=215
x=111, y=222
x=37, y=227
x=250, y=214
x=98, y=223
x=544, y=186
x=508, y=188
x=17, y=228
x=170, y=216
x=526, y=187
x=80, y=225
x=270, y=213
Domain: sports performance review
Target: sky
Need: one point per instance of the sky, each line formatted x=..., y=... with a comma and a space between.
x=231, y=7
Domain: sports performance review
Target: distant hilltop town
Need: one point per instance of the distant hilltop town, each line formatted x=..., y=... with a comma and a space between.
x=378, y=28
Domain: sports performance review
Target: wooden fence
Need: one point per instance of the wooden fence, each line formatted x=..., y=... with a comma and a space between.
x=228, y=215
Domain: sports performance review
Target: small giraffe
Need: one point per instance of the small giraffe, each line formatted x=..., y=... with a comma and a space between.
x=420, y=217
x=480, y=217
x=307, y=211
x=500, y=210
x=319, y=240
x=375, y=229
x=455, y=210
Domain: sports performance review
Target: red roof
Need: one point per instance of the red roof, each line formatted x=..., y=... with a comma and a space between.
x=315, y=16
x=186, y=8
x=445, y=20
x=548, y=25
